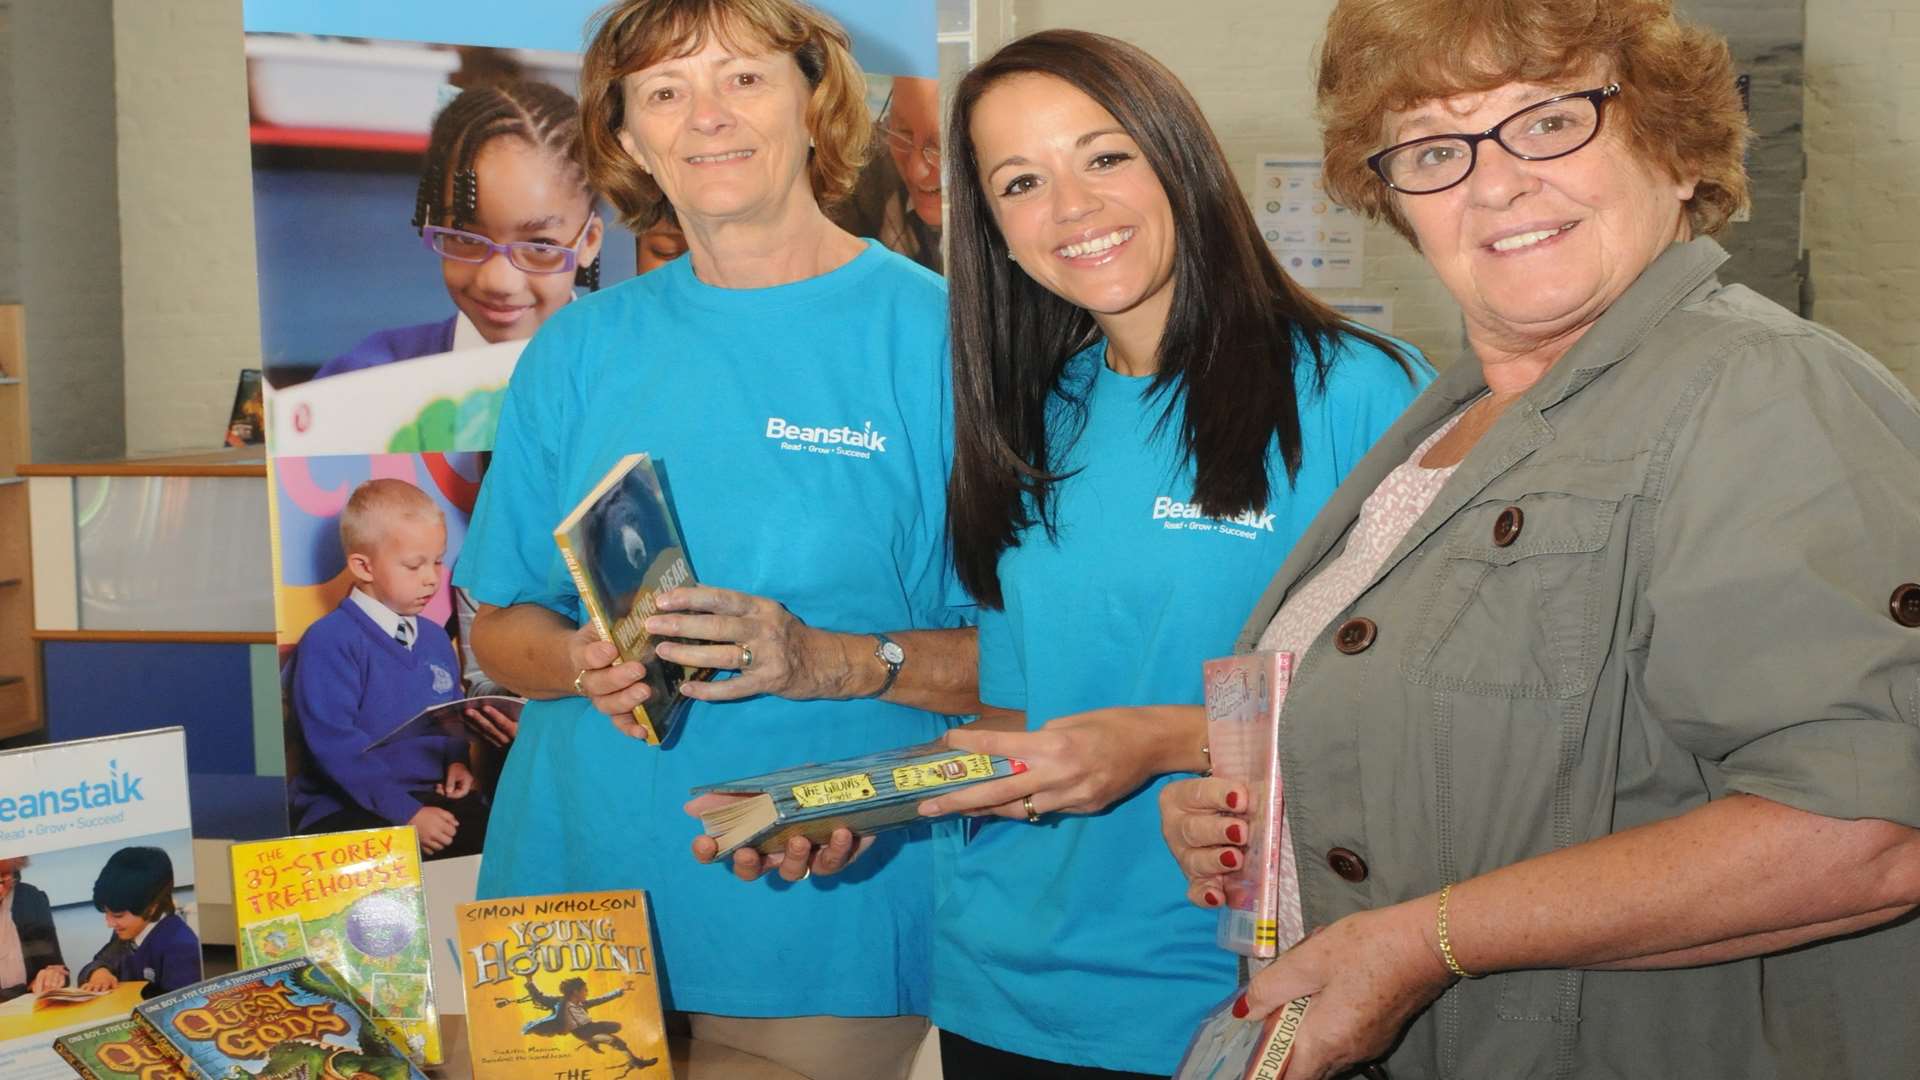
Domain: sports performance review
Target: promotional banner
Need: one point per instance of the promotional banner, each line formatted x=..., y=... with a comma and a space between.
x=96, y=876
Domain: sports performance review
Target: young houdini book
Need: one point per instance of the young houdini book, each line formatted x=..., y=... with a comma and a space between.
x=865, y=794
x=285, y=1021
x=1228, y=1049
x=562, y=986
x=1244, y=695
x=622, y=546
x=121, y=1049
x=353, y=901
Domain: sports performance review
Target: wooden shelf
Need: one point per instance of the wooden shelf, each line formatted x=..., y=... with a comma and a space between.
x=20, y=692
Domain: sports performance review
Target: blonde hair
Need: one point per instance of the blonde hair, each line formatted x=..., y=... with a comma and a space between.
x=634, y=34
x=1678, y=106
x=373, y=507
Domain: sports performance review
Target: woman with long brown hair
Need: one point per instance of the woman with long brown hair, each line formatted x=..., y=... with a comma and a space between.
x=1147, y=411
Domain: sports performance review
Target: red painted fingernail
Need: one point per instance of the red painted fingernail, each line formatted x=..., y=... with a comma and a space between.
x=1240, y=1009
x=1233, y=800
x=1229, y=859
x=1236, y=834
x=1212, y=898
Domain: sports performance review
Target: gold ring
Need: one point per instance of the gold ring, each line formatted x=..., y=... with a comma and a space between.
x=577, y=688
x=1033, y=816
x=746, y=658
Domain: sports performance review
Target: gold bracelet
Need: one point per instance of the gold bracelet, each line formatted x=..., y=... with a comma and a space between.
x=1446, y=946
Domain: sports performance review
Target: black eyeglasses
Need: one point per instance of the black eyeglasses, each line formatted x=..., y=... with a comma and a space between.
x=1543, y=131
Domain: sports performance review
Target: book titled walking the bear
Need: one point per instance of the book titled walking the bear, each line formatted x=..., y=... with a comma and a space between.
x=1244, y=695
x=562, y=985
x=622, y=547
x=863, y=794
x=352, y=901
x=285, y=1021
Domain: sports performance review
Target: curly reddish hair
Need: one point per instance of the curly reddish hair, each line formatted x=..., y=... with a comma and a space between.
x=629, y=35
x=1678, y=104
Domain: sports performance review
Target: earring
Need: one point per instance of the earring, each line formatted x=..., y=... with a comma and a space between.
x=809, y=142
x=1011, y=257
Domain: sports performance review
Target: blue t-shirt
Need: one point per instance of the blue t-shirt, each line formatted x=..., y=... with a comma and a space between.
x=1072, y=940
x=804, y=432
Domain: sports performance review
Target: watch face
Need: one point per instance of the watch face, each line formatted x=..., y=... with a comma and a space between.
x=891, y=652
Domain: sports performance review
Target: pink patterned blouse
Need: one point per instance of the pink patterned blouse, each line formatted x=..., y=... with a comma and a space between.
x=1384, y=520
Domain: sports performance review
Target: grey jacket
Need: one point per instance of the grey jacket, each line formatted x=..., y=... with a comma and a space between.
x=1713, y=506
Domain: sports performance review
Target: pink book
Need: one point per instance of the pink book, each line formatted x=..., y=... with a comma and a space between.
x=1244, y=695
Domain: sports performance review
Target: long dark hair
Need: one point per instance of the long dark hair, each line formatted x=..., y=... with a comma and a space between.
x=1228, y=357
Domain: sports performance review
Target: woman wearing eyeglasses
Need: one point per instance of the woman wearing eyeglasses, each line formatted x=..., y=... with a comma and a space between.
x=505, y=205
x=1602, y=754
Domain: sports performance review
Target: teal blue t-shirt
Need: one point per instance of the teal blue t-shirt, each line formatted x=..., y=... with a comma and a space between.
x=1072, y=940
x=723, y=387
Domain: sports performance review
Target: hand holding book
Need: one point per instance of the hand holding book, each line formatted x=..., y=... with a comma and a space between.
x=1369, y=974
x=770, y=650
x=1078, y=764
x=1205, y=823
x=801, y=858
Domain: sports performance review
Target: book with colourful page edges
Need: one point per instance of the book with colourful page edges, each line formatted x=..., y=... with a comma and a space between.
x=864, y=794
x=1244, y=695
x=285, y=1021
x=353, y=901
x=121, y=1050
x=623, y=549
x=1226, y=1048
x=562, y=986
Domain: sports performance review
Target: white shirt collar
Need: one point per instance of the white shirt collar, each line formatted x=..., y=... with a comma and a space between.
x=140, y=938
x=465, y=334
x=385, y=617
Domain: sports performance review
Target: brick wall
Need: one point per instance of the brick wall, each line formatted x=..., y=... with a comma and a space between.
x=69, y=224
x=191, y=302
x=9, y=186
x=1863, y=174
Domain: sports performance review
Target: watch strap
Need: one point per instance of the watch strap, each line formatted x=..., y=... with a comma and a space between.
x=882, y=641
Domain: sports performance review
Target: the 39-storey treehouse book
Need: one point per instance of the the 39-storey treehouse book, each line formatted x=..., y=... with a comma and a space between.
x=623, y=549
x=354, y=902
x=104, y=817
x=285, y=1021
x=562, y=986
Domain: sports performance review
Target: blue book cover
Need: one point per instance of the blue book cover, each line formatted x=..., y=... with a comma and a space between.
x=285, y=1021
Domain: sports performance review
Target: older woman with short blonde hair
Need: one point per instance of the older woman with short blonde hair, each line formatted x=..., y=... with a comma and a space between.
x=826, y=592
x=1602, y=753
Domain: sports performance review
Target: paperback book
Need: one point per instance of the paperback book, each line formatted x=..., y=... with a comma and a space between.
x=1226, y=1048
x=73, y=815
x=121, y=1050
x=1244, y=695
x=622, y=546
x=562, y=985
x=864, y=794
x=285, y=1021
x=354, y=902
x=450, y=718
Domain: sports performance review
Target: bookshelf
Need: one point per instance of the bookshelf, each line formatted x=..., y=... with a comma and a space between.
x=20, y=710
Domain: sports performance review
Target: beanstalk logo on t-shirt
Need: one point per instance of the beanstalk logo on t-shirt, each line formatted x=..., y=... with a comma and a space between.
x=844, y=440
x=1173, y=514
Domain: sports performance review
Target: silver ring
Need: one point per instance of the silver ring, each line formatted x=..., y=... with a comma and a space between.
x=1033, y=816
x=746, y=658
x=577, y=688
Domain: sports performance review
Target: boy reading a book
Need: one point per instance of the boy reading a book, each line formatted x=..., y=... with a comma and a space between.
x=150, y=941
x=371, y=664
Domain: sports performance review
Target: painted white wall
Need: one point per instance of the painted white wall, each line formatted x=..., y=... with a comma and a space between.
x=1863, y=174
